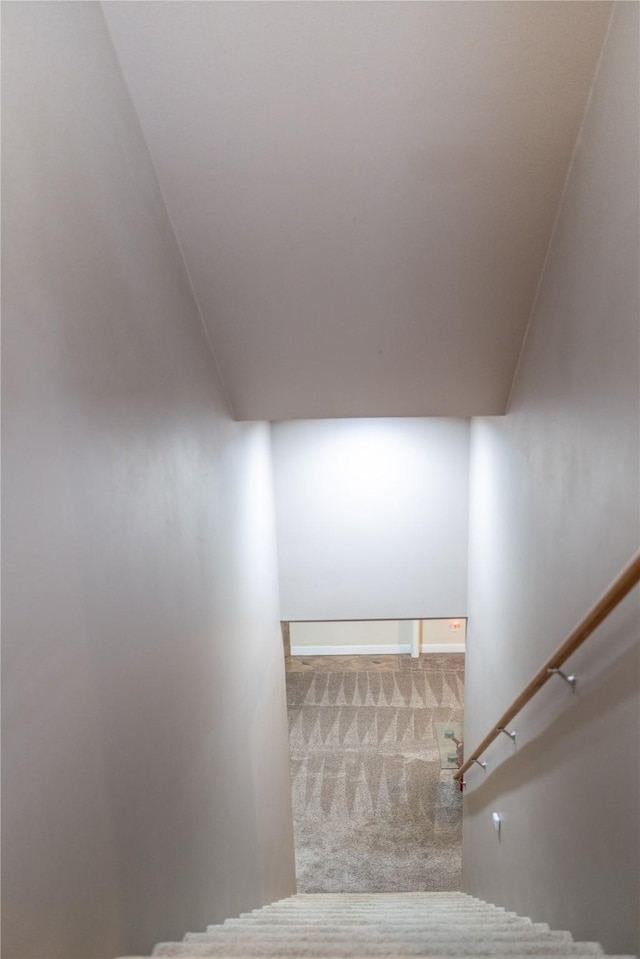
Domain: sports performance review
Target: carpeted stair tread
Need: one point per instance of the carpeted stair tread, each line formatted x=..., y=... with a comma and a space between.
x=321, y=908
x=346, y=897
x=397, y=914
x=415, y=935
x=515, y=928
x=374, y=914
x=369, y=901
x=366, y=904
x=355, y=923
x=464, y=922
x=422, y=895
x=448, y=916
x=375, y=918
x=320, y=950
x=428, y=947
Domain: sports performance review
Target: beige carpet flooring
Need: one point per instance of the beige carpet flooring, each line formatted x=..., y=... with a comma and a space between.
x=373, y=810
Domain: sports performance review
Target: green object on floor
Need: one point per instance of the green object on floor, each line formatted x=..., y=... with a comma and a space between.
x=445, y=734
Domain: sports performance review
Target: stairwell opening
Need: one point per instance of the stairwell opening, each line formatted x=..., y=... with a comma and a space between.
x=373, y=732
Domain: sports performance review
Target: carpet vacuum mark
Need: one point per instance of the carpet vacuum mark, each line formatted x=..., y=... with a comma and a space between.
x=373, y=810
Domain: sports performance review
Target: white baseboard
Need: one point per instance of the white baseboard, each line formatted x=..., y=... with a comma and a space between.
x=349, y=650
x=373, y=650
x=443, y=648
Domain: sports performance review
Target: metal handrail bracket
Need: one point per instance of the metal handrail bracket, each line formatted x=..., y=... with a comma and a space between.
x=571, y=680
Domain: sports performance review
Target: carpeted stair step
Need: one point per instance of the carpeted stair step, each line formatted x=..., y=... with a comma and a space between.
x=380, y=926
x=348, y=899
x=347, y=949
x=366, y=909
x=366, y=936
x=413, y=947
x=421, y=907
x=394, y=931
x=352, y=917
x=397, y=913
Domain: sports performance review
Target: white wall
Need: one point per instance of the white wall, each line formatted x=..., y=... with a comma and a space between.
x=372, y=518
x=145, y=787
x=438, y=635
x=554, y=517
x=360, y=636
x=376, y=636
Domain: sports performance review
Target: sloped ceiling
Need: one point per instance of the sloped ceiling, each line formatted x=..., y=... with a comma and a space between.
x=363, y=192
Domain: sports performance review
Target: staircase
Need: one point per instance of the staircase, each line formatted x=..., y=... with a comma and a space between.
x=387, y=925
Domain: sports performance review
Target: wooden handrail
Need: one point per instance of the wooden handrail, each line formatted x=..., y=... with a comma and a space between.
x=624, y=583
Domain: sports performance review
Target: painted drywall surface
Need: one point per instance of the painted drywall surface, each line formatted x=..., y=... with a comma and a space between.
x=387, y=180
x=554, y=517
x=372, y=518
x=444, y=633
x=145, y=767
x=391, y=635
x=355, y=635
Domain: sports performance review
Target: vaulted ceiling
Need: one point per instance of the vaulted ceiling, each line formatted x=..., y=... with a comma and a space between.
x=363, y=193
